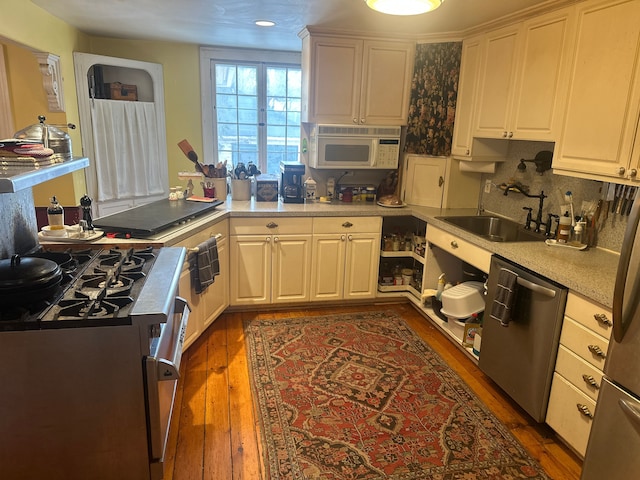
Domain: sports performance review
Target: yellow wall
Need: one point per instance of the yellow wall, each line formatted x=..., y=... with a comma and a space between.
x=30, y=26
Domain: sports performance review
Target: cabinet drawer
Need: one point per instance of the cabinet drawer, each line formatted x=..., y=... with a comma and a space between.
x=270, y=226
x=470, y=253
x=592, y=315
x=578, y=372
x=347, y=225
x=564, y=415
x=221, y=228
x=584, y=343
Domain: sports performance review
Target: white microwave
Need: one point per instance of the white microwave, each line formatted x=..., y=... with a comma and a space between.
x=354, y=147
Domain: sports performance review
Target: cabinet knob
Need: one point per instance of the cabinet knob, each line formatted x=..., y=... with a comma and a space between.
x=504, y=134
x=510, y=135
x=343, y=237
x=355, y=120
x=272, y=225
x=468, y=152
x=362, y=120
x=602, y=318
x=275, y=239
x=589, y=380
x=347, y=224
x=268, y=239
x=584, y=410
x=454, y=244
x=350, y=238
x=596, y=350
x=633, y=172
x=621, y=171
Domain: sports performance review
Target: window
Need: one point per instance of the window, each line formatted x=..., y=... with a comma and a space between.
x=254, y=109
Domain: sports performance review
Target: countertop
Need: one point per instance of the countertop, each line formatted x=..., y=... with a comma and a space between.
x=590, y=272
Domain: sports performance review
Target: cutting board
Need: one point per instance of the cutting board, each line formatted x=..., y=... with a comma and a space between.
x=153, y=218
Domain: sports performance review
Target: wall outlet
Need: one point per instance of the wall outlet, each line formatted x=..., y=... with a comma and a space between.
x=487, y=186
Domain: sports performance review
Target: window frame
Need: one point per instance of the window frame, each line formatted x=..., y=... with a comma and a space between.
x=208, y=55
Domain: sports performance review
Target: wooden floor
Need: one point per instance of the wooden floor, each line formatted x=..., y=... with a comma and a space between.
x=214, y=433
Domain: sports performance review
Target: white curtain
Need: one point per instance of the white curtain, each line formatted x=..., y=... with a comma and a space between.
x=126, y=149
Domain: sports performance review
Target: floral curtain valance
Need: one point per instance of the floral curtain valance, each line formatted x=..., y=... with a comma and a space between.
x=434, y=92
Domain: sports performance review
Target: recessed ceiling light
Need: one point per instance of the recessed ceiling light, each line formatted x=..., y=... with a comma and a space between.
x=265, y=23
x=404, y=7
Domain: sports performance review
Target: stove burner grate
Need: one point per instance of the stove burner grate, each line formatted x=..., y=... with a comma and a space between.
x=90, y=309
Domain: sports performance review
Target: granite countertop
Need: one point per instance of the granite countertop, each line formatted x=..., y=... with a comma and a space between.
x=590, y=272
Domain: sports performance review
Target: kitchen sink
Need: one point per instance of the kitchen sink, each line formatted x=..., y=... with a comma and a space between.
x=494, y=229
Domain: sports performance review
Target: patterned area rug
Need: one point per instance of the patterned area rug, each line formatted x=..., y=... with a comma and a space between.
x=361, y=396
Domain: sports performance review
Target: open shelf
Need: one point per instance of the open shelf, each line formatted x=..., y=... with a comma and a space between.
x=402, y=254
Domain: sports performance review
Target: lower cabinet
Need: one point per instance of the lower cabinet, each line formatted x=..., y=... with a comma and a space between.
x=270, y=259
x=584, y=342
x=344, y=263
x=208, y=305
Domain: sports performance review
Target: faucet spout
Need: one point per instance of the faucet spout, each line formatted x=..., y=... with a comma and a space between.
x=541, y=196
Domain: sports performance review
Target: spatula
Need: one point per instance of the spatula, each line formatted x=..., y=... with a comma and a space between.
x=187, y=149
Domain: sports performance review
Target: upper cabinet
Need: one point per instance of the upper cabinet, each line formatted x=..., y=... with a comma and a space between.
x=523, y=78
x=599, y=138
x=350, y=80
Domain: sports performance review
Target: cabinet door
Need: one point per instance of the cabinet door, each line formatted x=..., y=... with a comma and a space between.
x=467, y=89
x=216, y=296
x=291, y=266
x=194, y=326
x=424, y=180
x=335, y=79
x=327, y=266
x=386, y=71
x=604, y=93
x=250, y=269
x=542, y=80
x=496, y=83
x=361, y=265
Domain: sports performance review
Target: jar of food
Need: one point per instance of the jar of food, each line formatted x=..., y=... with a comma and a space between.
x=388, y=243
x=396, y=242
x=370, y=194
x=407, y=276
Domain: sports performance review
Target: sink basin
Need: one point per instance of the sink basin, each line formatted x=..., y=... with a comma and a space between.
x=494, y=229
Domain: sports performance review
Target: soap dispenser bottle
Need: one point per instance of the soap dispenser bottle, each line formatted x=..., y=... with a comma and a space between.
x=55, y=215
x=564, y=228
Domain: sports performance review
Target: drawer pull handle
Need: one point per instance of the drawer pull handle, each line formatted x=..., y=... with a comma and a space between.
x=584, y=410
x=589, y=380
x=347, y=224
x=272, y=225
x=596, y=350
x=454, y=244
x=602, y=318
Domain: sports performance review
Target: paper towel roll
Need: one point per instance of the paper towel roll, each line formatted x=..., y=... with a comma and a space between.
x=477, y=167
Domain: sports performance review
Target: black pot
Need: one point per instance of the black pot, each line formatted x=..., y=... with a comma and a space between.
x=25, y=280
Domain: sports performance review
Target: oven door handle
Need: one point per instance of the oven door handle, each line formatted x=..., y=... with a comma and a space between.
x=534, y=287
x=169, y=368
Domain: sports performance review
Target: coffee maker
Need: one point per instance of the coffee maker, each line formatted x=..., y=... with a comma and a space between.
x=291, y=189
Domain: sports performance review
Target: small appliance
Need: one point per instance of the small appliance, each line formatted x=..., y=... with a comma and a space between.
x=291, y=188
x=354, y=147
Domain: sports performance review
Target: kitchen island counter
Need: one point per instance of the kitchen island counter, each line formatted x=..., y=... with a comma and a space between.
x=590, y=272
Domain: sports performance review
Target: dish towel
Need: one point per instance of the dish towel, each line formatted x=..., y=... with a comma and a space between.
x=204, y=265
x=505, y=296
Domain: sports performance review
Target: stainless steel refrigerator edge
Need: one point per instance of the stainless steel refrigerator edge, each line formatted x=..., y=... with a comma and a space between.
x=613, y=451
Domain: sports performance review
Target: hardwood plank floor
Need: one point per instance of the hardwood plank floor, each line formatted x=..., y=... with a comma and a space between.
x=215, y=433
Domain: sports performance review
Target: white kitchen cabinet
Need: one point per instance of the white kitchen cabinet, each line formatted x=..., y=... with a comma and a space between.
x=438, y=182
x=208, y=305
x=345, y=257
x=269, y=260
x=523, y=78
x=584, y=343
x=351, y=80
x=603, y=103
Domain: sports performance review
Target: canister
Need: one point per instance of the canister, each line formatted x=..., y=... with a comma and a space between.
x=407, y=276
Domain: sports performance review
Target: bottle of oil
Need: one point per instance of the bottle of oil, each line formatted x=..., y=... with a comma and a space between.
x=55, y=215
x=564, y=228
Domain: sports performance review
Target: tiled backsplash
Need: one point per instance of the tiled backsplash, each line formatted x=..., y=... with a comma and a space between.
x=612, y=232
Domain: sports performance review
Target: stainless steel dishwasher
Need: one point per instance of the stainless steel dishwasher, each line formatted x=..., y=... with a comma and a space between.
x=520, y=357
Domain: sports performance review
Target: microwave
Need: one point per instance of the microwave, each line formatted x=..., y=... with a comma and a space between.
x=354, y=147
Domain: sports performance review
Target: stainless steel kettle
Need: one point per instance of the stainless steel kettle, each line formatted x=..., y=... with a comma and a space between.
x=50, y=136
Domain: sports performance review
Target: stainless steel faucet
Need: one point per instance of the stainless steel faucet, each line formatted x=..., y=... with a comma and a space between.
x=541, y=196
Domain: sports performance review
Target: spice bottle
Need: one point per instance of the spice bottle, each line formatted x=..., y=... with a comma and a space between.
x=55, y=215
x=564, y=228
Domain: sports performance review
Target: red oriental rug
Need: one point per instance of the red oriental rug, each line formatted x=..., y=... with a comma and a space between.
x=361, y=396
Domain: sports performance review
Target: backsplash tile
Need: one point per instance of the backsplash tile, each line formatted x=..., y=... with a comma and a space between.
x=612, y=232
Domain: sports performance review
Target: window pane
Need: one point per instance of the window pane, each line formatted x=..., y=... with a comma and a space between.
x=276, y=81
x=247, y=81
x=225, y=78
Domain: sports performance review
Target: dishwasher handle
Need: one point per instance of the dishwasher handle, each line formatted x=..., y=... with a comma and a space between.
x=534, y=287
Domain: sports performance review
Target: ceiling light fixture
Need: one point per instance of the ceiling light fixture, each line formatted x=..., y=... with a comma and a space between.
x=404, y=7
x=265, y=23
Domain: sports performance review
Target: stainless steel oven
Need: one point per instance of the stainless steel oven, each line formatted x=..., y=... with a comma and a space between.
x=89, y=378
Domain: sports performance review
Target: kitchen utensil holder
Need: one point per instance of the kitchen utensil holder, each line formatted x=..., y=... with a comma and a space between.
x=240, y=189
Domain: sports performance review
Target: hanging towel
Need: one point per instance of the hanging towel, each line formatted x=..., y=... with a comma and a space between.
x=505, y=296
x=204, y=265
